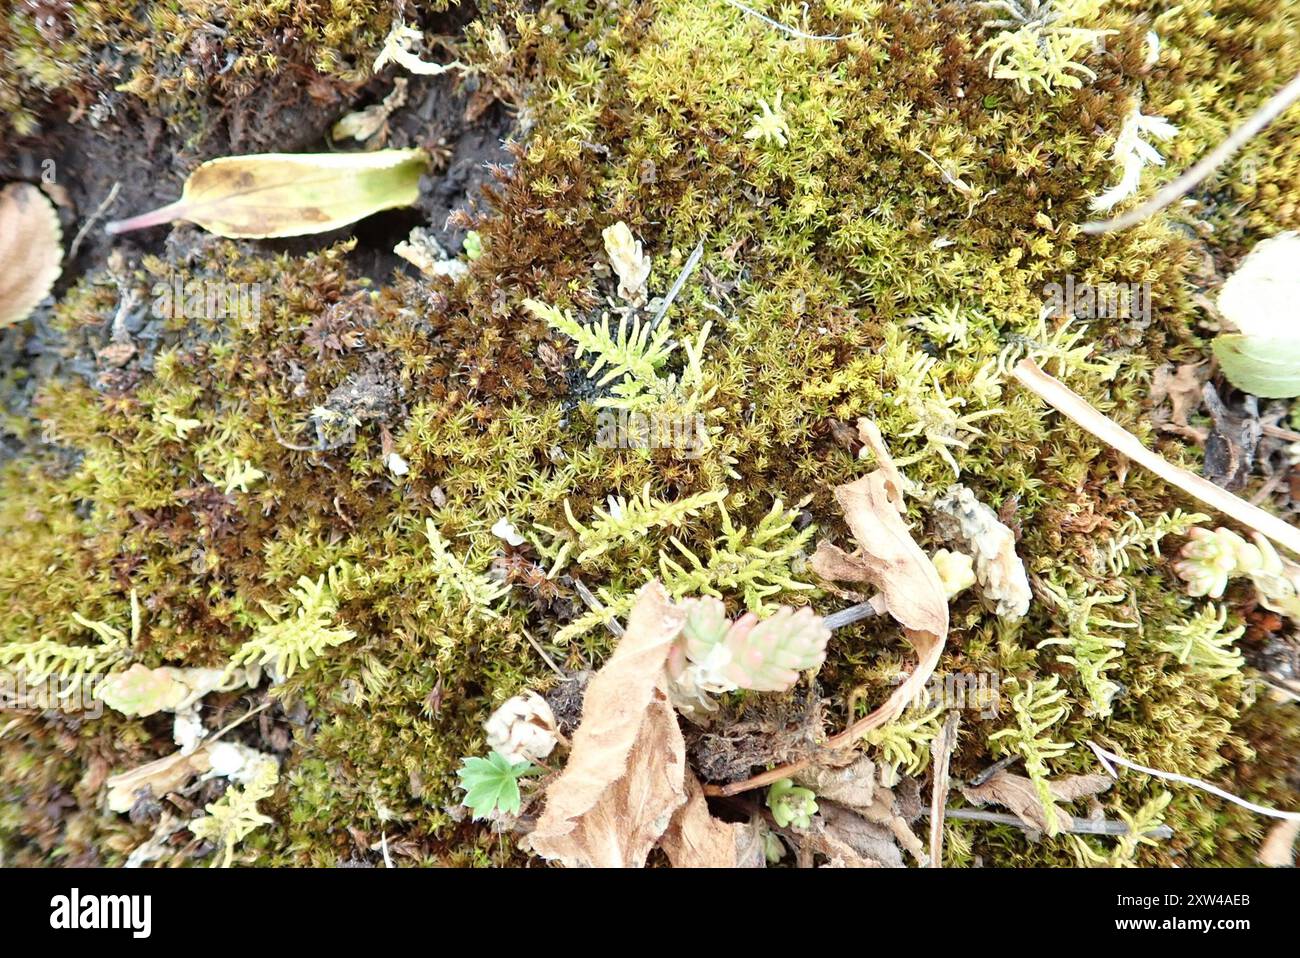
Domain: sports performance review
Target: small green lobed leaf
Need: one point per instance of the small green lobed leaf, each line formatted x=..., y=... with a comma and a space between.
x=1263, y=366
x=492, y=783
x=272, y=195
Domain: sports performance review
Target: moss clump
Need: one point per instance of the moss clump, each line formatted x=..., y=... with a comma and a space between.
x=888, y=260
x=82, y=57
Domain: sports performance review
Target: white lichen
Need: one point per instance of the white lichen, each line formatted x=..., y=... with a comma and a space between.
x=1132, y=154
x=962, y=519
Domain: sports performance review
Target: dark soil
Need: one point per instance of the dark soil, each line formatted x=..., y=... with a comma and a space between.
x=148, y=159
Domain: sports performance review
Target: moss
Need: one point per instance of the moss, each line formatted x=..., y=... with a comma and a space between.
x=177, y=55
x=888, y=260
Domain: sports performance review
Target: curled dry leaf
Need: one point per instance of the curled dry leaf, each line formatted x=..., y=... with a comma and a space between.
x=1017, y=793
x=523, y=729
x=1278, y=850
x=853, y=785
x=365, y=123
x=270, y=195
x=626, y=771
x=1064, y=400
x=963, y=520
x=695, y=839
x=30, y=251
x=889, y=559
x=161, y=776
x=1181, y=385
x=426, y=254
x=850, y=841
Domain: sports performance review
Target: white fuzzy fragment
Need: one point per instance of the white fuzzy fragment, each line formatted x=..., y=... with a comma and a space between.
x=505, y=530
x=963, y=520
x=523, y=729
x=396, y=464
x=1132, y=153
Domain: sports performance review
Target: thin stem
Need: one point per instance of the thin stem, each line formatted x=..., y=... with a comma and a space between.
x=94, y=218
x=1080, y=826
x=1180, y=187
x=1106, y=758
x=781, y=26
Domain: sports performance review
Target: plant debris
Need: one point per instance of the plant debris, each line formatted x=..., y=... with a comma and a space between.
x=1062, y=399
x=626, y=772
x=31, y=251
x=963, y=520
x=1019, y=794
x=272, y=195
x=889, y=559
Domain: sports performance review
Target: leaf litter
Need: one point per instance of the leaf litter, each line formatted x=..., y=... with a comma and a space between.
x=274, y=195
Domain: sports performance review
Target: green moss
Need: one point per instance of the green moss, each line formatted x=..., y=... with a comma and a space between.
x=174, y=54
x=888, y=260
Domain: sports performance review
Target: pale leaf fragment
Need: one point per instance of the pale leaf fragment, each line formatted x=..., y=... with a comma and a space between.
x=1278, y=850
x=629, y=262
x=1259, y=299
x=30, y=251
x=397, y=49
x=426, y=254
x=270, y=195
x=159, y=777
x=853, y=785
x=363, y=124
x=144, y=691
x=626, y=771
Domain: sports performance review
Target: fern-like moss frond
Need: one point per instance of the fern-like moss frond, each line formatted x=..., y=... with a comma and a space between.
x=289, y=643
x=627, y=519
x=1136, y=539
x=1201, y=643
x=1037, y=707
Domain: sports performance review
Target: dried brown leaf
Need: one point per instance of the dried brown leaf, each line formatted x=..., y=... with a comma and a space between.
x=1278, y=848
x=941, y=750
x=695, y=839
x=31, y=253
x=626, y=771
x=851, y=841
x=1017, y=793
x=1181, y=385
x=160, y=776
x=853, y=785
x=889, y=559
